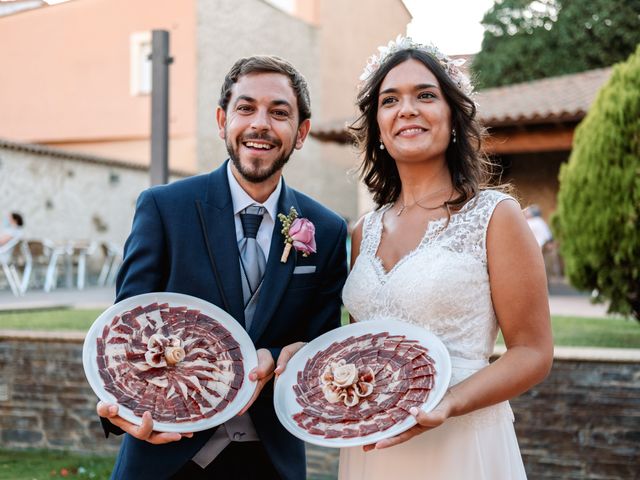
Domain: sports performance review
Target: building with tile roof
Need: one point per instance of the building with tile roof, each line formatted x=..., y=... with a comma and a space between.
x=531, y=127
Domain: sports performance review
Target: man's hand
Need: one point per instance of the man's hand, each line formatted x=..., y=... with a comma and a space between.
x=143, y=431
x=262, y=374
x=285, y=355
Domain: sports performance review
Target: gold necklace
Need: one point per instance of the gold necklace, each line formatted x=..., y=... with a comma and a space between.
x=417, y=202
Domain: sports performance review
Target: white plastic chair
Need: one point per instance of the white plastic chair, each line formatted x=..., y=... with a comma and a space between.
x=8, y=265
x=112, y=258
x=51, y=279
x=79, y=252
x=37, y=255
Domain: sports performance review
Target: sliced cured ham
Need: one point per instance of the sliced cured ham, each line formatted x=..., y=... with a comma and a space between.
x=362, y=385
x=176, y=362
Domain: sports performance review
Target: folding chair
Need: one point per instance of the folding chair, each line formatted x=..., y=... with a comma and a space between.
x=37, y=255
x=8, y=265
x=51, y=278
x=112, y=254
x=79, y=252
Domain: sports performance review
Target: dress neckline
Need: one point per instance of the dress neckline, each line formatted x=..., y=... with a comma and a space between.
x=433, y=230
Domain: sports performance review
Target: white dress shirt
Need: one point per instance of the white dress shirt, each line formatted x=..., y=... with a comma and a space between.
x=242, y=200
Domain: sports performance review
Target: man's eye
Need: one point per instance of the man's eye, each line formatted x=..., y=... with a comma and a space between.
x=281, y=113
x=244, y=108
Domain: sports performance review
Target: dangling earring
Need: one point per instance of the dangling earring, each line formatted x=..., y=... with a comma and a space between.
x=381, y=145
x=453, y=133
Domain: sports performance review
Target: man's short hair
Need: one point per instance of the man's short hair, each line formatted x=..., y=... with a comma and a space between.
x=268, y=64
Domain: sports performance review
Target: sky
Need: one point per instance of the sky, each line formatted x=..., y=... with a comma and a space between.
x=451, y=25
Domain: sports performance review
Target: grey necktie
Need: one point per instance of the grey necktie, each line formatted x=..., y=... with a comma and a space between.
x=252, y=260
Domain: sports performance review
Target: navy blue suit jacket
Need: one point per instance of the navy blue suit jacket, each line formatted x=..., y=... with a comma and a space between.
x=183, y=240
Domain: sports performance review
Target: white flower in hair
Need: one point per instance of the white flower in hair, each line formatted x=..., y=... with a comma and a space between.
x=450, y=66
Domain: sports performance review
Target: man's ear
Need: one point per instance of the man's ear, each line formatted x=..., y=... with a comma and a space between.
x=221, y=117
x=303, y=131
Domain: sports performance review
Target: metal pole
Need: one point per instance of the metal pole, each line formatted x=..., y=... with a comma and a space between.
x=160, y=61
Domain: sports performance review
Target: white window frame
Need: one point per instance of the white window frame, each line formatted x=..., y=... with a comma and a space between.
x=140, y=64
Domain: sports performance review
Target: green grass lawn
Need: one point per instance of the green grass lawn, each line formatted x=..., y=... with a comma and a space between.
x=595, y=332
x=567, y=331
x=45, y=465
x=58, y=319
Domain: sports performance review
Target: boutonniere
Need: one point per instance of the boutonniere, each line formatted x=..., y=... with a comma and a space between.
x=299, y=233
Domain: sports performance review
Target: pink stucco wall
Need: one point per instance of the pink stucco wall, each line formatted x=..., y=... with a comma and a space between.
x=68, y=78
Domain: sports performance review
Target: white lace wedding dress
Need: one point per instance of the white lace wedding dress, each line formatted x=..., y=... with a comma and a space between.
x=443, y=286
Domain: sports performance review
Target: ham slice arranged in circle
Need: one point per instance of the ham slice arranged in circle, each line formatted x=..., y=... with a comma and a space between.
x=176, y=362
x=362, y=385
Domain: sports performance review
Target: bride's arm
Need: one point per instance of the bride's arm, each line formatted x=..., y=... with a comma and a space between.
x=519, y=295
x=356, y=240
x=520, y=300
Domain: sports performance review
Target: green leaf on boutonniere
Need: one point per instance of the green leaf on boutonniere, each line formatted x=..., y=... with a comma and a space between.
x=287, y=220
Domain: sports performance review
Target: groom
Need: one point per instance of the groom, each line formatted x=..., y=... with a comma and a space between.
x=217, y=237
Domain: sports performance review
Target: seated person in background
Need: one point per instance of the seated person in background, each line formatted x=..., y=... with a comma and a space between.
x=537, y=225
x=11, y=228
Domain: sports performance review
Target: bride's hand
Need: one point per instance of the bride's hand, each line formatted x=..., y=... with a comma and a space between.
x=426, y=421
x=285, y=355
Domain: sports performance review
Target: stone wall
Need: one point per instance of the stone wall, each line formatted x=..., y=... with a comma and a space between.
x=581, y=423
x=66, y=196
x=45, y=400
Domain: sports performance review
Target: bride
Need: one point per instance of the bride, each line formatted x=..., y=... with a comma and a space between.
x=442, y=252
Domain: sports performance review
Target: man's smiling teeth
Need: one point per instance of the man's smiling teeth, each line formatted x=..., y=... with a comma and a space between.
x=262, y=146
x=411, y=131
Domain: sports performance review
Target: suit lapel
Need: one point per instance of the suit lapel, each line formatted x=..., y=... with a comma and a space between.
x=219, y=226
x=277, y=274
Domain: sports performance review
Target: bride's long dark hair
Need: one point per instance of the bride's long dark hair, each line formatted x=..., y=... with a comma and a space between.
x=468, y=166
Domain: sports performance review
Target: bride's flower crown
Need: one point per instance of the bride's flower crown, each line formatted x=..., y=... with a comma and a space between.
x=450, y=66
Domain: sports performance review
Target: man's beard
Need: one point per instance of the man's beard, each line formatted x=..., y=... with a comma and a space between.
x=257, y=176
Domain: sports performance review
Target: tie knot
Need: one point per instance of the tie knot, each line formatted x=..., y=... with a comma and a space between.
x=251, y=217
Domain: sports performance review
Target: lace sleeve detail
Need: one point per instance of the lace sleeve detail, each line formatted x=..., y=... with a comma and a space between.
x=371, y=231
x=467, y=232
x=490, y=200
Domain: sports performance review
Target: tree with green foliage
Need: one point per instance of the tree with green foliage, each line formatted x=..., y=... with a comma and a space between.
x=525, y=40
x=598, y=217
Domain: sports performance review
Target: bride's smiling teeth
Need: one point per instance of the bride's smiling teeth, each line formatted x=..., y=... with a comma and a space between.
x=261, y=146
x=411, y=131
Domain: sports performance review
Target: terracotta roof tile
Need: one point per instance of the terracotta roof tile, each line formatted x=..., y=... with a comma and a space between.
x=36, y=149
x=562, y=98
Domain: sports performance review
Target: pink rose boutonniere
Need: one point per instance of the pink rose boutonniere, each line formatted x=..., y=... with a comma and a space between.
x=299, y=233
